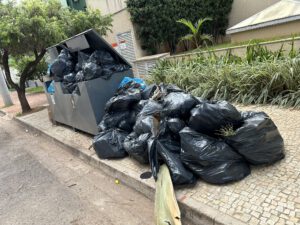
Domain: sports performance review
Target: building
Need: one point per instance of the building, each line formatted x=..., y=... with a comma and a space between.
x=75, y=4
x=242, y=9
x=281, y=19
x=123, y=36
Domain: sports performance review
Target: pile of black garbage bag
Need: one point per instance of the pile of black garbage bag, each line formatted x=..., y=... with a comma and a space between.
x=72, y=68
x=196, y=138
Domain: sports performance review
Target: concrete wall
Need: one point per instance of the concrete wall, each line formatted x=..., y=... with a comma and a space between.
x=241, y=50
x=242, y=9
x=286, y=29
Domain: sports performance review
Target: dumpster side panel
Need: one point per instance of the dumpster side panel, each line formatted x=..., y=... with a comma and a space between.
x=63, y=106
x=83, y=115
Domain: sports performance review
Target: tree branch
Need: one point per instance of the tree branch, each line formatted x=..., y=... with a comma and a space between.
x=30, y=68
x=36, y=53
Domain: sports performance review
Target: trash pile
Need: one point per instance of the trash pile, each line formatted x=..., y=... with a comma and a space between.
x=195, y=138
x=72, y=68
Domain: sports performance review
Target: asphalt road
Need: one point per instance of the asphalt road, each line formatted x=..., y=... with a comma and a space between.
x=42, y=184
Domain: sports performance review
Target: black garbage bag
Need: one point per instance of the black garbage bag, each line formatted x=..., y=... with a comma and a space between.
x=258, y=139
x=109, y=144
x=123, y=120
x=149, y=91
x=82, y=58
x=211, y=159
x=153, y=156
x=101, y=57
x=169, y=151
x=91, y=71
x=210, y=117
x=227, y=172
x=124, y=101
x=59, y=65
x=57, y=68
x=175, y=125
x=62, y=65
x=150, y=108
x=128, y=123
x=136, y=146
x=79, y=76
x=139, y=106
x=144, y=124
x=178, y=104
x=69, y=78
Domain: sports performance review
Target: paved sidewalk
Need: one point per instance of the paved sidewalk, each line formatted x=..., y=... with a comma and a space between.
x=35, y=101
x=270, y=195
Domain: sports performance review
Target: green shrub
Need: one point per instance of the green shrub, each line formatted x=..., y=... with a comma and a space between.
x=274, y=79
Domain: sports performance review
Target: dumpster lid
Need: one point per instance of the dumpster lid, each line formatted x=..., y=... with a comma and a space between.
x=85, y=40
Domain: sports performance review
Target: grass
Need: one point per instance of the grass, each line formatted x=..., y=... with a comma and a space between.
x=35, y=90
x=226, y=131
x=262, y=77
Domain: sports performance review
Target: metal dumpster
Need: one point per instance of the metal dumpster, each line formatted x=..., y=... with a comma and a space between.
x=84, y=111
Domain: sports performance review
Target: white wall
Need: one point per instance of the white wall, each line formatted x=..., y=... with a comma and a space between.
x=107, y=6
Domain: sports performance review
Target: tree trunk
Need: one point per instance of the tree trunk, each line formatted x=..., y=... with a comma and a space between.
x=23, y=100
x=29, y=69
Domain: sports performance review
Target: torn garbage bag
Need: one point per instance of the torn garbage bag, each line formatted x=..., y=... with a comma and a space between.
x=211, y=159
x=109, y=144
x=258, y=139
x=136, y=146
x=170, y=152
x=210, y=117
x=178, y=104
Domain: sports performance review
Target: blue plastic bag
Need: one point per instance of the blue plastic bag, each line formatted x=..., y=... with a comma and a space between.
x=127, y=80
x=51, y=88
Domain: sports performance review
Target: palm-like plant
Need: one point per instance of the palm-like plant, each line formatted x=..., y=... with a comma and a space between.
x=196, y=35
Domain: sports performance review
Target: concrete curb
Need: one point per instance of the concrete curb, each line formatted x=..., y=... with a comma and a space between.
x=193, y=212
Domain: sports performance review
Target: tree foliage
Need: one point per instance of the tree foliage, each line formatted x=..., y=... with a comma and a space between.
x=195, y=35
x=28, y=28
x=156, y=19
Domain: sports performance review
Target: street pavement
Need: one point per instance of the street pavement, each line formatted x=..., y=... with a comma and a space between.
x=42, y=184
